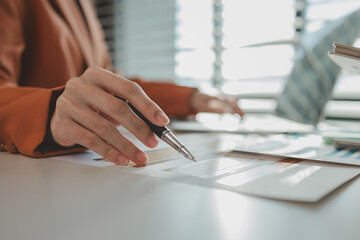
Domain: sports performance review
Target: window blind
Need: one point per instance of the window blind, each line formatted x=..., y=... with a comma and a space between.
x=105, y=12
x=234, y=45
x=145, y=37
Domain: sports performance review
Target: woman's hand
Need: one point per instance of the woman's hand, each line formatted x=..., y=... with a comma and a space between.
x=201, y=102
x=87, y=113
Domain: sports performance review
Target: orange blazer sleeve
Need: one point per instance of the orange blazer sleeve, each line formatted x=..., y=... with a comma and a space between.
x=23, y=110
x=174, y=100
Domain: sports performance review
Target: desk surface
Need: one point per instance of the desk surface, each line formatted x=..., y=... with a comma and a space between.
x=50, y=199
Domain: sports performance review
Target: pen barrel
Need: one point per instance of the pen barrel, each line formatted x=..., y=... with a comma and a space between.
x=172, y=141
x=154, y=128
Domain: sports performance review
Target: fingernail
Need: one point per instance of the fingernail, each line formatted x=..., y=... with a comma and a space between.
x=141, y=157
x=152, y=141
x=122, y=160
x=160, y=116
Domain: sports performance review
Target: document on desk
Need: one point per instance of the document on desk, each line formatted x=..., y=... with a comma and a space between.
x=308, y=147
x=263, y=176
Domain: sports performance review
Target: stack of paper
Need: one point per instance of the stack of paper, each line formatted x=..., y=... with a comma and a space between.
x=344, y=143
x=347, y=57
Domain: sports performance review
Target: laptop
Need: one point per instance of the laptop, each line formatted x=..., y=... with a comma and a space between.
x=308, y=88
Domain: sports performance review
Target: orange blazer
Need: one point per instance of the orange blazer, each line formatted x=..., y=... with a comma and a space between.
x=44, y=43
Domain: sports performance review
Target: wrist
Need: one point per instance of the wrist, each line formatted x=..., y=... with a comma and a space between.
x=193, y=99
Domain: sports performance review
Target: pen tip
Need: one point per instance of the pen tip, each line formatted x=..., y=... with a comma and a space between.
x=186, y=153
x=191, y=157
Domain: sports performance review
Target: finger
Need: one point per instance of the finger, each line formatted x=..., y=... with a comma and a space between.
x=128, y=90
x=118, y=111
x=220, y=105
x=108, y=133
x=215, y=105
x=90, y=140
x=109, y=118
x=236, y=108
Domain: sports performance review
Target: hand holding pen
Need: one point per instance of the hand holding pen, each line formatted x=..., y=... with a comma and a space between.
x=87, y=114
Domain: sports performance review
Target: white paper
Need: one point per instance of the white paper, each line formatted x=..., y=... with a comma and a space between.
x=308, y=147
x=263, y=176
x=347, y=63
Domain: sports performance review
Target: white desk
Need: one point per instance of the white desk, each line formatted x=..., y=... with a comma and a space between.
x=50, y=199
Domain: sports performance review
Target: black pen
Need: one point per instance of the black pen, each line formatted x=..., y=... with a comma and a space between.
x=163, y=133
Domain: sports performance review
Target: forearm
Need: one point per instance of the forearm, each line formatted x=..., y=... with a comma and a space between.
x=173, y=99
